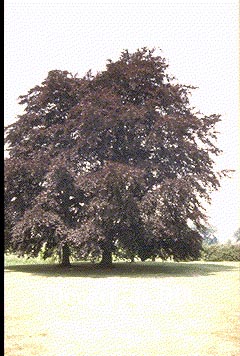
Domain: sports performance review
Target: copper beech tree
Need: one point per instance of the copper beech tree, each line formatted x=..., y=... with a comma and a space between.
x=112, y=163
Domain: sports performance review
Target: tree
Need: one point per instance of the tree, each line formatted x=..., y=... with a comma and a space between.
x=237, y=235
x=40, y=200
x=221, y=252
x=115, y=161
x=208, y=233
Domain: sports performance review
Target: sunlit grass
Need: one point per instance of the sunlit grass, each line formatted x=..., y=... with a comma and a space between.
x=157, y=309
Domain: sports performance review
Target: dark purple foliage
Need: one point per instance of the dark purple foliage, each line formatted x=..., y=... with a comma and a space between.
x=111, y=163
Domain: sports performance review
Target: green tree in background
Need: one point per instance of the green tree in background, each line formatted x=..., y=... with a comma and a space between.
x=237, y=234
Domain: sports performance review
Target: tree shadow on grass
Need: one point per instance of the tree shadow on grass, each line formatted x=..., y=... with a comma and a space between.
x=125, y=269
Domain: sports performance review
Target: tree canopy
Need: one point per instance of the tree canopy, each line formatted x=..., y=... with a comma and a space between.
x=110, y=163
x=237, y=235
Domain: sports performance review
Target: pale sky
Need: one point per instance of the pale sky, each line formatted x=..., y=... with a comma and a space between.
x=200, y=41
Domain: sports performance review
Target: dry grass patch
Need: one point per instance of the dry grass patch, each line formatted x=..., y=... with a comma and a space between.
x=134, y=310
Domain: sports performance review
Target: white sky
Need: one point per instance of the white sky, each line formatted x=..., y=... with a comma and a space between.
x=200, y=40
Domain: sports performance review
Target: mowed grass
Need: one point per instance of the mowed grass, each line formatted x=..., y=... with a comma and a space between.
x=138, y=309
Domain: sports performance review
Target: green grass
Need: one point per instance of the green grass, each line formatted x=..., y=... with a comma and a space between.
x=13, y=260
x=48, y=268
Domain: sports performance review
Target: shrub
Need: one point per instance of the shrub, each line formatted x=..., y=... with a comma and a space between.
x=221, y=252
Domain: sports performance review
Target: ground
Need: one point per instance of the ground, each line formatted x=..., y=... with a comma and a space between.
x=161, y=309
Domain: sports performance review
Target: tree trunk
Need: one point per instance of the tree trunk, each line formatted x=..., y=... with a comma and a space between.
x=65, y=256
x=106, y=258
x=132, y=258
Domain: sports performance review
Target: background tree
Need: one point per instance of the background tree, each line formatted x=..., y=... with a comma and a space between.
x=118, y=160
x=221, y=252
x=237, y=235
x=208, y=232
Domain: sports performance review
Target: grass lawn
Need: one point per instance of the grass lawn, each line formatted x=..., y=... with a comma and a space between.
x=140, y=309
